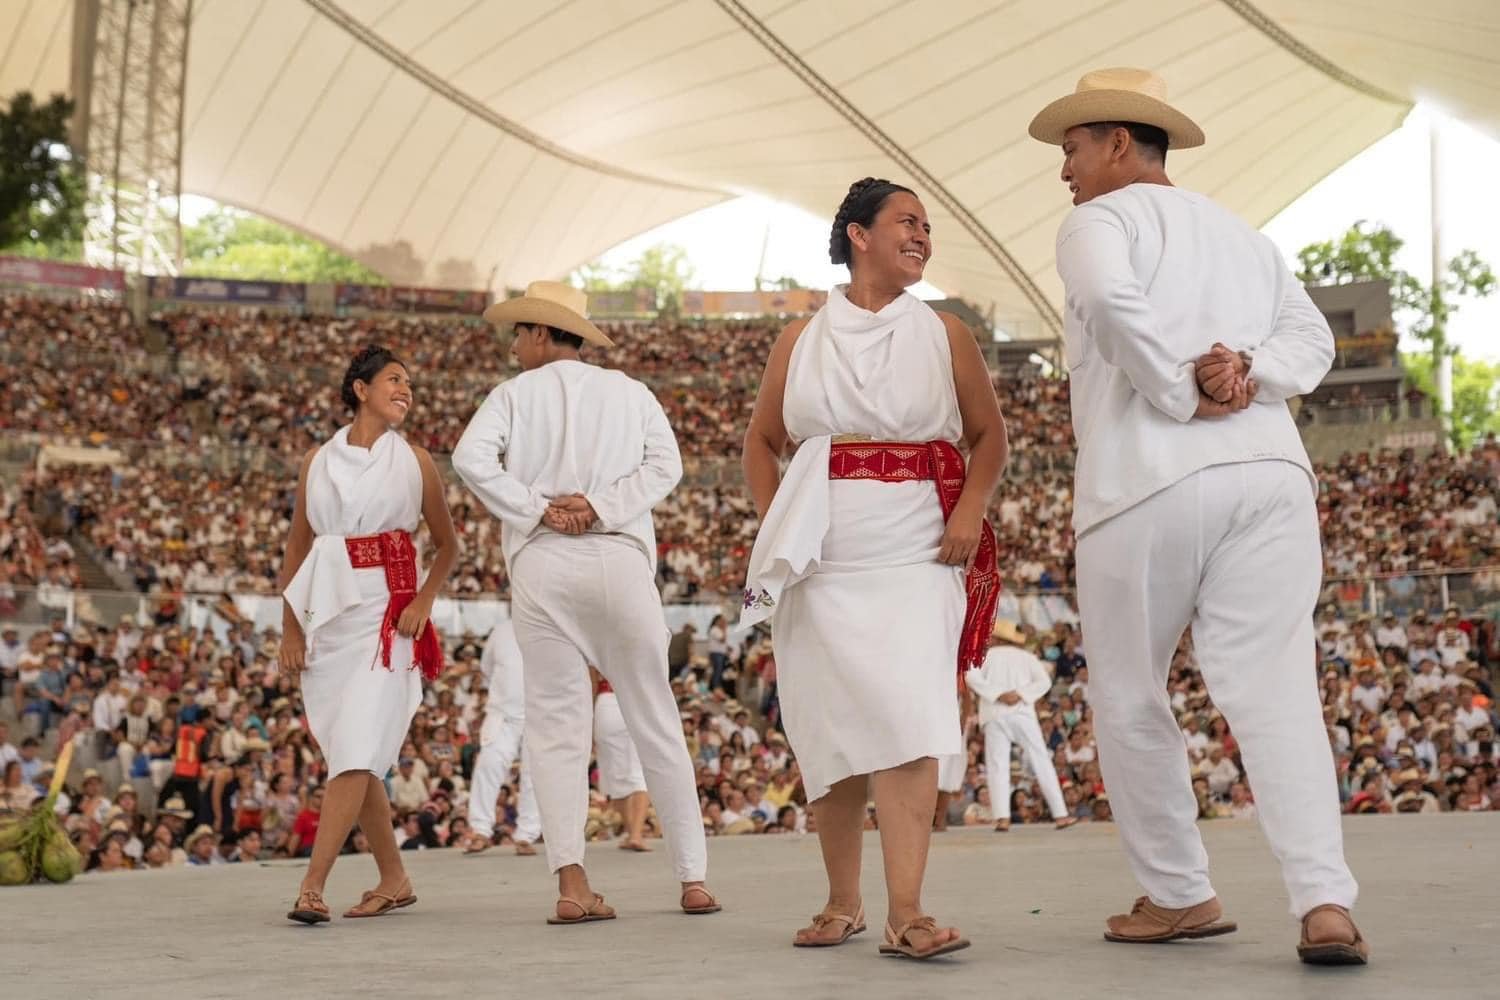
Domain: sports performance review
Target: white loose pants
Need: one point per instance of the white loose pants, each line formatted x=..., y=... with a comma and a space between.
x=620, y=774
x=1022, y=729
x=591, y=599
x=499, y=745
x=1234, y=551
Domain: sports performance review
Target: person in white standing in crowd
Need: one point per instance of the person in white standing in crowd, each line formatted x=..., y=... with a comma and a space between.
x=1194, y=504
x=356, y=628
x=1007, y=687
x=500, y=744
x=572, y=458
x=620, y=776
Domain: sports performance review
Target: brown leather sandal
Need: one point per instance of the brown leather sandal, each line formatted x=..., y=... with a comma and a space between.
x=1355, y=952
x=852, y=925
x=1002, y=826
x=595, y=911
x=309, y=908
x=524, y=849
x=476, y=844
x=899, y=945
x=402, y=899
x=712, y=906
x=1147, y=923
x=1065, y=823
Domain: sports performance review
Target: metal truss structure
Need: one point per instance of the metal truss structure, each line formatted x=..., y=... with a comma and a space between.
x=134, y=140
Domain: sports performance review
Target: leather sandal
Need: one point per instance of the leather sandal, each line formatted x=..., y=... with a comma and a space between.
x=898, y=944
x=1002, y=826
x=309, y=908
x=476, y=844
x=1352, y=952
x=403, y=898
x=597, y=910
x=1147, y=923
x=524, y=849
x=712, y=906
x=1065, y=823
x=850, y=926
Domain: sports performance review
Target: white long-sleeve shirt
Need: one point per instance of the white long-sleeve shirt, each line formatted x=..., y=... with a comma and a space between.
x=564, y=428
x=500, y=663
x=1154, y=276
x=1008, y=668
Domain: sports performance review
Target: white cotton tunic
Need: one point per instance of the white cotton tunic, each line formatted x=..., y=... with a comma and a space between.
x=358, y=710
x=866, y=620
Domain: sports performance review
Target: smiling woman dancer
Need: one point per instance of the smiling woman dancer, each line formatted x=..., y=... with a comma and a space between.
x=355, y=625
x=864, y=578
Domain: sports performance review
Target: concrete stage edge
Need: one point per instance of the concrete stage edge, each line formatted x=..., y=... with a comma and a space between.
x=1032, y=901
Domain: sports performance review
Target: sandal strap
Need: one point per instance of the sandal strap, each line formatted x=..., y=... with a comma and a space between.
x=922, y=923
x=698, y=888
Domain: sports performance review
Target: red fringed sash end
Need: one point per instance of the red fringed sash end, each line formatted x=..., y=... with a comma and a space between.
x=395, y=552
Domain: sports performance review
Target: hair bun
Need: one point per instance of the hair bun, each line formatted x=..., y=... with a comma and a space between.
x=854, y=208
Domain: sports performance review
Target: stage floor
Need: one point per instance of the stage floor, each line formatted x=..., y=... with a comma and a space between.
x=1032, y=901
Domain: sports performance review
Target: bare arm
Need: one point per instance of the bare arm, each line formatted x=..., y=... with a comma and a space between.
x=766, y=437
x=298, y=545
x=986, y=438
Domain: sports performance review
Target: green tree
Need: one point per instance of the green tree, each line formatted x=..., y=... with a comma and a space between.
x=42, y=187
x=665, y=270
x=595, y=277
x=1367, y=252
x=1476, y=395
x=227, y=243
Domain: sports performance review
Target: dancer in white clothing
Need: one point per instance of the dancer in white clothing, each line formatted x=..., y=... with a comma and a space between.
x=499, y=745
x=1007, y=687
x=1194, y=505
x=572, y=458
x=621, y=778
x=862, y=552
x=355, y=626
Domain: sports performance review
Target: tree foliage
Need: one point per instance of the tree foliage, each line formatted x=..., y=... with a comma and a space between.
x=227, y=243
x=1476, y=395
x=42, y=187
x=664, y=269
x=1367, y=252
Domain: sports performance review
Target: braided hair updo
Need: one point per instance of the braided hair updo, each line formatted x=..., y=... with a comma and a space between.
x=367, y=363
x=860, y=206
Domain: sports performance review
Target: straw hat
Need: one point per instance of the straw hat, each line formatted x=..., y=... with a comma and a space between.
x=550, y=303
x=175, y=806
x=1006, y=631
x=202, y=831
x=1117, y=95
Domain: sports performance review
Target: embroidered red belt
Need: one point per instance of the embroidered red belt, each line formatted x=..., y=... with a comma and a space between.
x=395, y=551
x=943, y=464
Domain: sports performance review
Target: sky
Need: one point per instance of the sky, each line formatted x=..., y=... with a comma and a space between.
x=1387, y=183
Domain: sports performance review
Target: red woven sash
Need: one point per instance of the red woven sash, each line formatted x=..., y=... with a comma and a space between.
x=395, y=551
x=943, y=463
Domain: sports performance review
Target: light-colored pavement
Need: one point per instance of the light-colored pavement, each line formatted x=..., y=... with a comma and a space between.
x=1032, y=901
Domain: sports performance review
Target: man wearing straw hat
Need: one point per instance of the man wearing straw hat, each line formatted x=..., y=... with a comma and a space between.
x=1194, y=504
x=1007, y=686
x=571, y=458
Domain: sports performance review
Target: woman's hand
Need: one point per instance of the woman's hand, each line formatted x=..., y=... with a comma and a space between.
x=961, y=537
x=415, y=617
x=292, y=658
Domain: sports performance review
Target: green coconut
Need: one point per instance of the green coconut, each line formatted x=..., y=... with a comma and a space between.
x=12, y=834
x=13, y=869
x=60, y=860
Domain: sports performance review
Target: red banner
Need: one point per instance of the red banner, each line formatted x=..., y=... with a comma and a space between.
x=26, y=271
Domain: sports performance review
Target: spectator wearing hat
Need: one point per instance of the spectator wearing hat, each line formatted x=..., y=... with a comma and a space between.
x=1452, y=642
x=202, y=847
x=1390, y=635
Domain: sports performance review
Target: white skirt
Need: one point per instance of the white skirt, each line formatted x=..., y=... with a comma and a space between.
x=867, y=647
x=620, y=774
x=358, y=711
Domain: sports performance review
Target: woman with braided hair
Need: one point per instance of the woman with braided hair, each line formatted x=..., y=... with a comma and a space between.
x=874, y=560
x=355, y=623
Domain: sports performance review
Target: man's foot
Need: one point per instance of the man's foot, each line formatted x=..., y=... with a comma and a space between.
x=922, y=938
x=635, y=845
x=524, y=849
x=698, y=900
x=572, y=911
x=476, y=843
x=1002, y=826
x=1147, y=923
x=1329, y=937
x=830, y=928
x=1065, y=822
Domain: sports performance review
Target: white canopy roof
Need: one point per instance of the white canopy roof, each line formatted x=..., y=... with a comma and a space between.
x=469, y=143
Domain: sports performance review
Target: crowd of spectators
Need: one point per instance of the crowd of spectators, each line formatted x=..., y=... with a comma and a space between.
x=1408, y=699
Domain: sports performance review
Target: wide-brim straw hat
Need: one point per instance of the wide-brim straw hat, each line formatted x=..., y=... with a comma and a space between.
x=550, y=303
x=1117, y=95
x=1006, y=631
